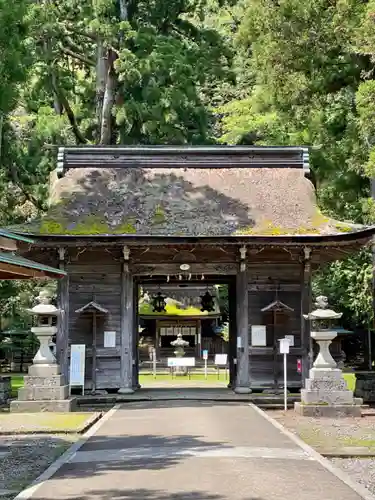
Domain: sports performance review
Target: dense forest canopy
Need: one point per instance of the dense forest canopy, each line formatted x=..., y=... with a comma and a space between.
x=291, y=72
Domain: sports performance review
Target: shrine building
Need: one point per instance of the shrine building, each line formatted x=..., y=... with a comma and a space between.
x=160, y=219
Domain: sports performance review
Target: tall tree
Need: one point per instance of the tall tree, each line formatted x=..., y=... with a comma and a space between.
x=312, y=69
x=127, y=71
x=13, y=72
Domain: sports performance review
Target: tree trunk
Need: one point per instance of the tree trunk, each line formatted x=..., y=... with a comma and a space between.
x=108, y=100
x=101, y=77
x=106, y=87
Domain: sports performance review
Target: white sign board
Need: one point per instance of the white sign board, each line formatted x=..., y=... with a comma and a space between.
x=109, y=339
x=291, y=340
x=284, y=346
x=185, y=362
x=239, y=342
x=77, y=366
x=258, y=336
x=221, y=359
x=205, y=354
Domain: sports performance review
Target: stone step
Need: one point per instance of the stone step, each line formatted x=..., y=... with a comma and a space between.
x=43, y=393
x=51, y=381
x=60, y=406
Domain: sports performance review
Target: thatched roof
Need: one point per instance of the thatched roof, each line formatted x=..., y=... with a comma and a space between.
x=248, y=191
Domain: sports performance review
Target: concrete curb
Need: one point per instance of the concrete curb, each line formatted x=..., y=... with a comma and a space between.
x=363, y=492
x=347, y=454
x=64, y=458
x=80, y=430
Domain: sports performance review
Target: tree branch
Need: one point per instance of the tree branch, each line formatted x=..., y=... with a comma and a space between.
x=79, y=57
x=70, y=114
x=13, y=171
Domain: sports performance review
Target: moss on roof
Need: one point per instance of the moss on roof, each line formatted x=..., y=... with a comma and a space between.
x=184, y=202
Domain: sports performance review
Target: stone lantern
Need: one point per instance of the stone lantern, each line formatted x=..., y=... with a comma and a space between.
x=179, y=345
x=45, y=315
x=44, y=386
x=326, y=393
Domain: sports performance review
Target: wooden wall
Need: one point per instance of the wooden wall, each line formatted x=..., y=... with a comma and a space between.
x=96, y=276
x=266, y=284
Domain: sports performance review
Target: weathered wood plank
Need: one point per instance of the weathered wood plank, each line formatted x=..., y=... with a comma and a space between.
x=195, y=268
x=62, y=336
x=127, y=334
x=305, y=308
x=242, y=319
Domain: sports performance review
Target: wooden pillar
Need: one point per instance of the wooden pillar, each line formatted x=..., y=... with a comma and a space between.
x=306, y=341
x=94, y=342
x=243, y=366
x=62, y=336
x=198, y=347
x=126, y=328
x=135, y=340
x=232, y=349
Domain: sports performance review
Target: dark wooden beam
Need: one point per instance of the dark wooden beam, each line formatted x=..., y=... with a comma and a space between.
x=306, y=341
x=182, y=157
x=62, y=336
x=242, y=319
x=21, y=272
x=126, y=328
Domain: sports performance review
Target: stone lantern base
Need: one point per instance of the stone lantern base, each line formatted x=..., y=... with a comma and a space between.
x=44, y=390
x=326, y=395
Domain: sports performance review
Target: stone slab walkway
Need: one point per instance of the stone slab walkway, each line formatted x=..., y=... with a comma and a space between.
x=186, y=393
x=186, y=450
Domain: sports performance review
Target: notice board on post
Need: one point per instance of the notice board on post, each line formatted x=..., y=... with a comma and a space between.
x=77, y=366
x=221, y=359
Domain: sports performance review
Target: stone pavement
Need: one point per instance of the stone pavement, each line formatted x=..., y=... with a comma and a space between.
x=186, y=450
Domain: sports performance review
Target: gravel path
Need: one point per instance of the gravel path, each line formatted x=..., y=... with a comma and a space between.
x=361, y=470
x=26, y=458
x=333, y=434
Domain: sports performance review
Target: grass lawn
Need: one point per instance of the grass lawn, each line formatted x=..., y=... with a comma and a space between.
x=144, y=379
x=212, y=378
x=43, y=421
x=17, y=383
x=350, y=380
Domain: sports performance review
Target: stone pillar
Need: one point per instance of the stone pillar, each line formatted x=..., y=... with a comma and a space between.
x=127, y=326
x=45, y=387
x=242, y=313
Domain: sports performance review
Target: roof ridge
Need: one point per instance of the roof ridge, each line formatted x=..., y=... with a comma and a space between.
x=182, y=157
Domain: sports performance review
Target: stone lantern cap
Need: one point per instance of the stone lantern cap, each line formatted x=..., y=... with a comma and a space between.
x=322, y=312
x=179, y=342
x=44, y=308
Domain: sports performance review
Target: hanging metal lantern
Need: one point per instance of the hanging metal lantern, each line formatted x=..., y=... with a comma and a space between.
x=207, y=302
x=158, y=303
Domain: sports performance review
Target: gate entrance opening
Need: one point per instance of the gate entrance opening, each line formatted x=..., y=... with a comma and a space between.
x=199, y=312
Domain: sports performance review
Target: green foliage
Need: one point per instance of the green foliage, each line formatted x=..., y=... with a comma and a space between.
x=102, y=72
x=349, y=285
x=312, y=69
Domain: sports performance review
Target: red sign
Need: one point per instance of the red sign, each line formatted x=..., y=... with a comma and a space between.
x=299, y=366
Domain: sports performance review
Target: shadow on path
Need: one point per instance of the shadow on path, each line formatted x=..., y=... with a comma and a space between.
x=146, y=494
x=140, y=452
